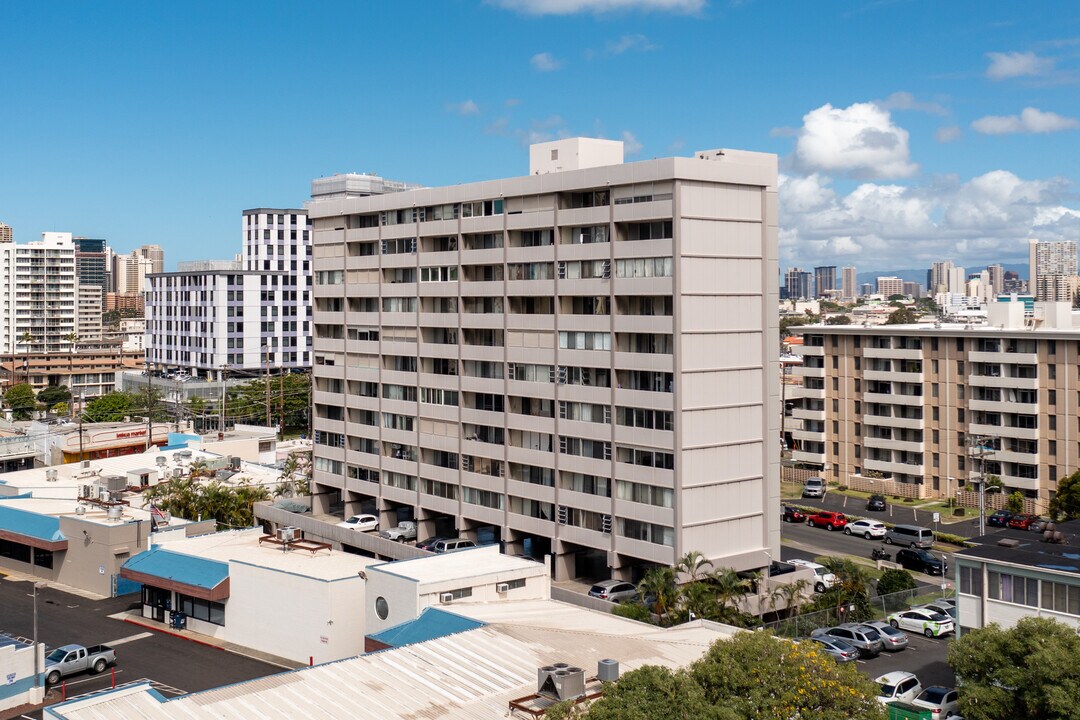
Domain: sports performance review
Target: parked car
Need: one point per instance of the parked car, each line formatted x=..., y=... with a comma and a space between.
x=430, y=542
x=866, y=640
x=824, y=580
x=943, y=608
x=927, y=622
x=876, y=502
x=910, y=536
x=793, y=515
x=452, y=545
x=837, y=649
x=614, y=590
x=941, y=701
x=898, y=686
x=866, y=528
x=362, y=522
x=814, y=487
x=1038, y=525
x=999, y=519
x=1022, y=521
x=405, y=530
x=893, y=640
x=74, y=659
x=922, y=561
x=828, y=520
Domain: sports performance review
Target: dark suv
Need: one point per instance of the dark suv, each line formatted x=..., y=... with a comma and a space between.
x=999, y=519
x=875, y=502
x=922, y=561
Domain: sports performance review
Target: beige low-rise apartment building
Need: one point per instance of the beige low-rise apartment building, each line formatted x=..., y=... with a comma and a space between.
x=941, y=404
x=578, y=362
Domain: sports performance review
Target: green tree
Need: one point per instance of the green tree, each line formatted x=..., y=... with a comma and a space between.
x=1028, y=671
x=761, y=677
x=788, y=322
x=852, y=588
x=61, y=409
x=838, y=320
x=895, y=298
x=247, y=402
x=20, y=399
x=54, y=394
x=1015, y=502
x=633, y=611
x=902, y=316
x=694, y=565
x=729, y=587
x=895, y=580
x=658, y=584
x=111, y=407
x=1065, y=505
x=657, y=693
x=190, y=498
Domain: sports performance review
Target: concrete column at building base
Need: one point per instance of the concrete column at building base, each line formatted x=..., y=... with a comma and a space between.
x=320, y=500
x=565, y=565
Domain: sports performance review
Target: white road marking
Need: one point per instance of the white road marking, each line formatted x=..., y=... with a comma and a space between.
x=91, y=678
x=130, y=638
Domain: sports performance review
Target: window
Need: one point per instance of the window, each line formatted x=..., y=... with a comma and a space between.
x=1060, y=597
x=439, y=274
x=585, y=340
x=971, y=580
x=1013, y=588
x=461, y=593
x=205, y=610
x=643, y=267
x=647, y=494
x=648, y=532
x=438, y=396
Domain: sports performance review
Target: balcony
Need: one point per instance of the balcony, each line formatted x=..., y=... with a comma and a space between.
x=893, y=444
x=898, y=468
x=808, y=414
x=808, y=457
x=1003, y=381
x=1003, y=357
x=892, y=353
x=806, y=371
x=815, y=350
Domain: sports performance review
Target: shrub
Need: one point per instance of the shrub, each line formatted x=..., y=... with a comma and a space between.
x=894, y=581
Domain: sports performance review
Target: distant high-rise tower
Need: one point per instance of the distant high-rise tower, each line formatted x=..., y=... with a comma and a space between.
x=849, y=287
x=797, y=282
x=155, y=255
x=889, y=286
x=997, y=278
x=6, y=235
x=824, y=280
x=92, y=262
x=938, y=276
x=1051, y=266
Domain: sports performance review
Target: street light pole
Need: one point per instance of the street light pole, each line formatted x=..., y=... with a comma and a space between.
x=979, y=449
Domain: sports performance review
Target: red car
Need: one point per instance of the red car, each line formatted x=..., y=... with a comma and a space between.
x=792, y=514
x=1022, y=521
x=828, y=520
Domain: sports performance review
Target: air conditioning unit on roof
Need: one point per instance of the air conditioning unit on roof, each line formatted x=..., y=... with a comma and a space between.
x=446, y=598
x=502, y=587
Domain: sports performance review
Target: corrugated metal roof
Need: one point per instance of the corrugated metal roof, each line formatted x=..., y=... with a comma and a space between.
x=30, y=524
x=180, y=568
x=466, y=676
x=432, y=623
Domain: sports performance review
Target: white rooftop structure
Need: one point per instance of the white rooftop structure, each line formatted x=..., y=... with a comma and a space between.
x=457, y=565
x=470, y=675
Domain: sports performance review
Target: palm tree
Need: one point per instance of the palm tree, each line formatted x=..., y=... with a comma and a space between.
x=72, y=340
x=729, y=587
x=694, y=565
x=793, y=594
x=659, y=583
x=699, y=600
x=198, y=469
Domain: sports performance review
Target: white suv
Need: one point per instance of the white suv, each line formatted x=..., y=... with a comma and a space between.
x=824, y=579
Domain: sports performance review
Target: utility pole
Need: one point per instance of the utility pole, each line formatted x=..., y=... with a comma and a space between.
x=82, y=407
x=221, y=421
x=149, y=405
x=979, y=449
x=281, y=403
x=266, y=359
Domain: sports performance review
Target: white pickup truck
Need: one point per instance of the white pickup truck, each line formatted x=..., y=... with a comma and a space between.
x=406, y=530
x=74, y=659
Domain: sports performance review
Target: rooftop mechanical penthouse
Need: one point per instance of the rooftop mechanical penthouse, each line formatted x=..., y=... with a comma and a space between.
x=577, y=362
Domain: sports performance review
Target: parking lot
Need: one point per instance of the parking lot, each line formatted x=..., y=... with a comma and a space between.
x=174, y=665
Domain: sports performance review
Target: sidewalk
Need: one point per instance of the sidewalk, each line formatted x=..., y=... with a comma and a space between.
x=208, y=640
x=13, y=576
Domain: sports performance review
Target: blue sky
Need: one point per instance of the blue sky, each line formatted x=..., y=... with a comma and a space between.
x=907, y=131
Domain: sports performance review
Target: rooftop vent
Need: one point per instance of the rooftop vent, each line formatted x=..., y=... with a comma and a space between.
x=1008, y=543
x=607, y=670
x=161, y=460
x=1053, y=536
x=50, y=475
x=114, y=483
x=560, y=682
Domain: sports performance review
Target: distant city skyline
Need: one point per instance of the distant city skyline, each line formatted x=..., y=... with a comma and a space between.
x=957, y=142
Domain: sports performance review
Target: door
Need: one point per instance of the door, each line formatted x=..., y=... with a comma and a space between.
x=157, y=602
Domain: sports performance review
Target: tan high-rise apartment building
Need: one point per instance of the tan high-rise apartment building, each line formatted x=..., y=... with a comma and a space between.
x=580, y=361
x=1051, y=265
x=155, y=254
x=888, y=286
x=6, y=234
x=849, y=283
x=903, y=400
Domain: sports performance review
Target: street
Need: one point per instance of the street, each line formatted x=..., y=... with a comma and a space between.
x=898, y=513
x=174, y=664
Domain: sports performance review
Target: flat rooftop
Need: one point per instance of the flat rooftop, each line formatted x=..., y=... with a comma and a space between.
x=475, y=562
x=1030, y=549
x=55, y=507
x=242, y=546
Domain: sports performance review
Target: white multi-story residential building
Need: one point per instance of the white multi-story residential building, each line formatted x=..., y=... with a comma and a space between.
x=89, y=312
x=580, y=361
x=1052, y=267
x=903, y=401
x=212, y=318
x=38, y=284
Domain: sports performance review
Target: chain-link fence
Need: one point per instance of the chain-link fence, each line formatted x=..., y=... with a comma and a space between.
x=802, y=624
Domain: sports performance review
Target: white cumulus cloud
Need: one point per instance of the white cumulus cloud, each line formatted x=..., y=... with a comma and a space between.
x=545, y=62
x=906, y=101
x=465, y=107
x=1004, y=66
x=1030, y=120
x=630, y=143
x=628, y=43
x=860, y=140
x=948, y=134
x=572, y=7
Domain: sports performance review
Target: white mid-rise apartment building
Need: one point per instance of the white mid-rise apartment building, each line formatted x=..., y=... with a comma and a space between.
x=580, y=361
x=38, y=284
x=89, y=312
x=215, y=318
